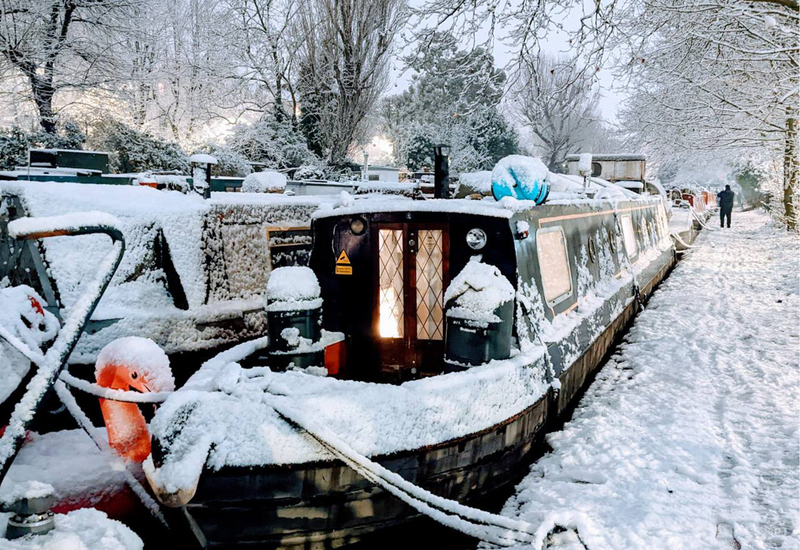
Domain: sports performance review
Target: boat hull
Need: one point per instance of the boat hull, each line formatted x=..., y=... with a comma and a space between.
x=328, y=505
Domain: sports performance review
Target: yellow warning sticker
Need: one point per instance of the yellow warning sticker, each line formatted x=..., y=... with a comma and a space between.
x=343, y=259
x=343, y=270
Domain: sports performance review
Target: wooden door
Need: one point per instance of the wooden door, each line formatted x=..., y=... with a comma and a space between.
x=412, y=267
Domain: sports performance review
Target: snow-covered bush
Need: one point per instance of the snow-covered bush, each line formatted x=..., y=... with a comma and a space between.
x=14, y=143
x=264, y=182
x=310, y=172
x=229, y=162
x=13, y=148
x=133, y=150
x=276, y=143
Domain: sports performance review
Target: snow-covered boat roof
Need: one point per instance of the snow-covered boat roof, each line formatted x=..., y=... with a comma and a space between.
x=138, y=301
x=50, y=150
x=373, y=204
x=609, y=156
x=565, y=189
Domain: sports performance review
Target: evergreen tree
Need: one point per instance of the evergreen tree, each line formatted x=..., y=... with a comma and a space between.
x=453, y=99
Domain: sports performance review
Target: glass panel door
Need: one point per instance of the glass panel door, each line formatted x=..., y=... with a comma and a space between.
x=390, y=265
x=412, y=263
x=430, y=285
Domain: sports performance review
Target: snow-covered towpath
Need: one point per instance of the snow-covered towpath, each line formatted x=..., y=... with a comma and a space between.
x=688, y=439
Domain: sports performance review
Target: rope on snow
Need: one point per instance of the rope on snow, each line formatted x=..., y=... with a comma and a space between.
x=485, y=526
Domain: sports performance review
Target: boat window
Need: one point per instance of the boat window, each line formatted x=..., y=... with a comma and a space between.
x=551, y=246
x=390, y=255
x=629, y=236
x=430, y=285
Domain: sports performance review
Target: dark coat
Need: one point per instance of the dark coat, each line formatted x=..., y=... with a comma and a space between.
x=725, y=199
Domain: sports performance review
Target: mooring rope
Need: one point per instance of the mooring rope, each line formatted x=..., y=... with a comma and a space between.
x=677, y=237
x=701, y=222
x=112, y=394
x=117, y=463
x=485, y=526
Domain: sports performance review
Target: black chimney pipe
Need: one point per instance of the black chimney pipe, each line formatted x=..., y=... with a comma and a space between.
x=441, y=171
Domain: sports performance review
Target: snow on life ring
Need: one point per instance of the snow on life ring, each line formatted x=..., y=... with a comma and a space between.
x=131, y=364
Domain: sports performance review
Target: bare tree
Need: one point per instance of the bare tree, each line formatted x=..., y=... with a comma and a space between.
x=265, y=45
x=556, y=102
x=60, y=45
x=721, y=76
x=346, y=52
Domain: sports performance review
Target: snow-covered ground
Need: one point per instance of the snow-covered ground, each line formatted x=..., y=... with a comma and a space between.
x=688, y=439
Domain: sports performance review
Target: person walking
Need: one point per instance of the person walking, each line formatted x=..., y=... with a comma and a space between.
x=725, y=201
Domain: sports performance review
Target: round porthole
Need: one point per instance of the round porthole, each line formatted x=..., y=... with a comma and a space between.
x=357, y=226
x=592, y=248
x=612, y=241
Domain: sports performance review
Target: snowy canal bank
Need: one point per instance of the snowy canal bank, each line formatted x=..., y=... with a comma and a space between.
x=689, y=436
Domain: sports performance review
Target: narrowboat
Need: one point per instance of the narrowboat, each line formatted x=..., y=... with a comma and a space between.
x=194, y=272
x=436, y=339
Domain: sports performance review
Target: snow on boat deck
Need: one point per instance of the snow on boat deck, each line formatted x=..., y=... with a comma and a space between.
x=689, y=436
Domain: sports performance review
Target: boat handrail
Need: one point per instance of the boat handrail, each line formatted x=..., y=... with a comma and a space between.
x=50, y=365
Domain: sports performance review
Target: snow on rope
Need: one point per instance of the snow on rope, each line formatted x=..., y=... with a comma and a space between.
x=485, y=526
x=112, y=394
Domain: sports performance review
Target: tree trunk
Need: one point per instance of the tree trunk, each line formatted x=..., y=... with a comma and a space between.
x=43, y=93
x=790, y=172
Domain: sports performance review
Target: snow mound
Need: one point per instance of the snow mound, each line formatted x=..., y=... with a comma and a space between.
x=85, y=529
x=70, y=222
x=475, y=182
x=527, y=173
x=477, y=291
x=22, y=316
x=28, y=489
x=292, y=284
x=264, y=182
x=203, y=158
x=141, y=354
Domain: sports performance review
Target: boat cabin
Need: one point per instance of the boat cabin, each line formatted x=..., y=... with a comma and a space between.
x=384, y=268
x=383, y=277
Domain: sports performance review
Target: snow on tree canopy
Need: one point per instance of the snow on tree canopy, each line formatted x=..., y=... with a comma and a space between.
x=264, y=182
x=526, y=173
x=141, y=354
x=293, y=287
x=477, y=291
